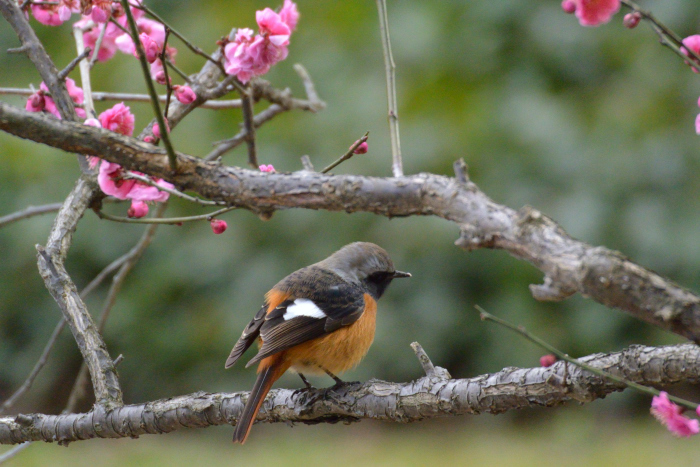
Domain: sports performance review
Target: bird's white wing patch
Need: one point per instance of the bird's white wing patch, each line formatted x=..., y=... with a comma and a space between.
x=303, y=307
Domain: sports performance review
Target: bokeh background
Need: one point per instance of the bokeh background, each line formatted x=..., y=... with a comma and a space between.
x=592, y=126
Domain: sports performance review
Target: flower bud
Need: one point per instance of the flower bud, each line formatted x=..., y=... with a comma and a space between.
x=569, y=6
x=218, y=226
x=137, y=210
x=631, y=20
x=547, y=360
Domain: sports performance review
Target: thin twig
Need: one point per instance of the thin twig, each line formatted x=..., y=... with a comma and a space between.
x=532, y=338
x=31, y=211
x=249, y=125
x=124, y=96
x=73, y=63
x=667, y=36
x=306, y=163
x=179, y=194
x=88, y=105
x=151, y=89
x=7, y=405
x=348, y=154
x=98, y=42
x=390, y=69
x=226, y=145
x=181, y=73
x=169, y=220
x=14, y=451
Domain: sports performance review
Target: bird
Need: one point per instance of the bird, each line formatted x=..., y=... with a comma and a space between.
x=319, y=319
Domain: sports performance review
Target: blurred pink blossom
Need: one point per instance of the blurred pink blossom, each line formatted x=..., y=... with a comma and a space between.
x=289, y=14
x=670, y=415
x=692, y=43
x=112, y=182
x=267, y=168
x=569, y=6
x=36, y=102
x=55, y=15
x=118, y=119
x=592, y=12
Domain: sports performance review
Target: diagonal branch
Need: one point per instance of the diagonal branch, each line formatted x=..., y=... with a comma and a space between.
x=424, y=398
x=569, y=265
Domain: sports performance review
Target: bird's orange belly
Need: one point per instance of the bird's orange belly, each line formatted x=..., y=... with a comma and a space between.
x=339, y=351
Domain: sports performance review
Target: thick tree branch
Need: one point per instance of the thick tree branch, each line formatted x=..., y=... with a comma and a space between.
x=569, y=265
x=424, y=398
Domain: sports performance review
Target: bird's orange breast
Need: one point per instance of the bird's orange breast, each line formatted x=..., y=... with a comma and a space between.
x=340, y=350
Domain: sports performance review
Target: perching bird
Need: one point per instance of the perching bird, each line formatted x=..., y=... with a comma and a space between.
x=318, y=319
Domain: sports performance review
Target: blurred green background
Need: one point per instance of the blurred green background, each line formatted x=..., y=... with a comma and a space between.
x=592, y=126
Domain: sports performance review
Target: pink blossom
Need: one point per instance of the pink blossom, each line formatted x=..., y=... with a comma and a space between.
x=289, y=14
x=252, y=55
x=108, y=47
x=267, y=168
x=692, y=43
x=150, y=47
x=74, y=92
x=218, y=226
x=159, y=77
x=36, y=102
x=137, y=210
x=156, y=129
x=153, y=29
x=118, y=119
x=149, y=139
x=111, y=181
x=55, y=15
x=670, y=415
x=273, y=27
x=569, y=6
x=184, y=94
x=593, y=12
x=362, y=148
x=548, y=360
x=142, y=192
x=101, y=9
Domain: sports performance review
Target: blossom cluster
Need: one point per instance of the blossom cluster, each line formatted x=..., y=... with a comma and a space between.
x=252, y=54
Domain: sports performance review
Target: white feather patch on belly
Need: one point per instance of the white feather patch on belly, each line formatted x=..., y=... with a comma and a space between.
x=303, y=307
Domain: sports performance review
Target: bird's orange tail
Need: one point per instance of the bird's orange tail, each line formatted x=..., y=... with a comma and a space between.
x=269, y=371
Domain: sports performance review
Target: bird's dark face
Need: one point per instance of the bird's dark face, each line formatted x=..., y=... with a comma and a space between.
x=367, y=264
x=377, y=282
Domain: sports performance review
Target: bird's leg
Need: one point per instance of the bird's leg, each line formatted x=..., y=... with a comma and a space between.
x=306, y=382
x=338, y=381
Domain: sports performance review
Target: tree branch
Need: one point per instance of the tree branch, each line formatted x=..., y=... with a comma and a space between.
x=424, y=398
x=569, y=265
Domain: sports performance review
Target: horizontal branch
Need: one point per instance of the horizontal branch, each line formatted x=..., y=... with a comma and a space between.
x=569, y=265
x=424, y=398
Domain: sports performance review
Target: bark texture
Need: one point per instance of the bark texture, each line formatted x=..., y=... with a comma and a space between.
x=427, y=397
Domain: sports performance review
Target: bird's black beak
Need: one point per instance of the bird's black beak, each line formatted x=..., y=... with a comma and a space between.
x=398, y=274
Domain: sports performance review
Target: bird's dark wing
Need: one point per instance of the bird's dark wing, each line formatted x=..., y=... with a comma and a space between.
x=250, y=333
x=331, y=304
